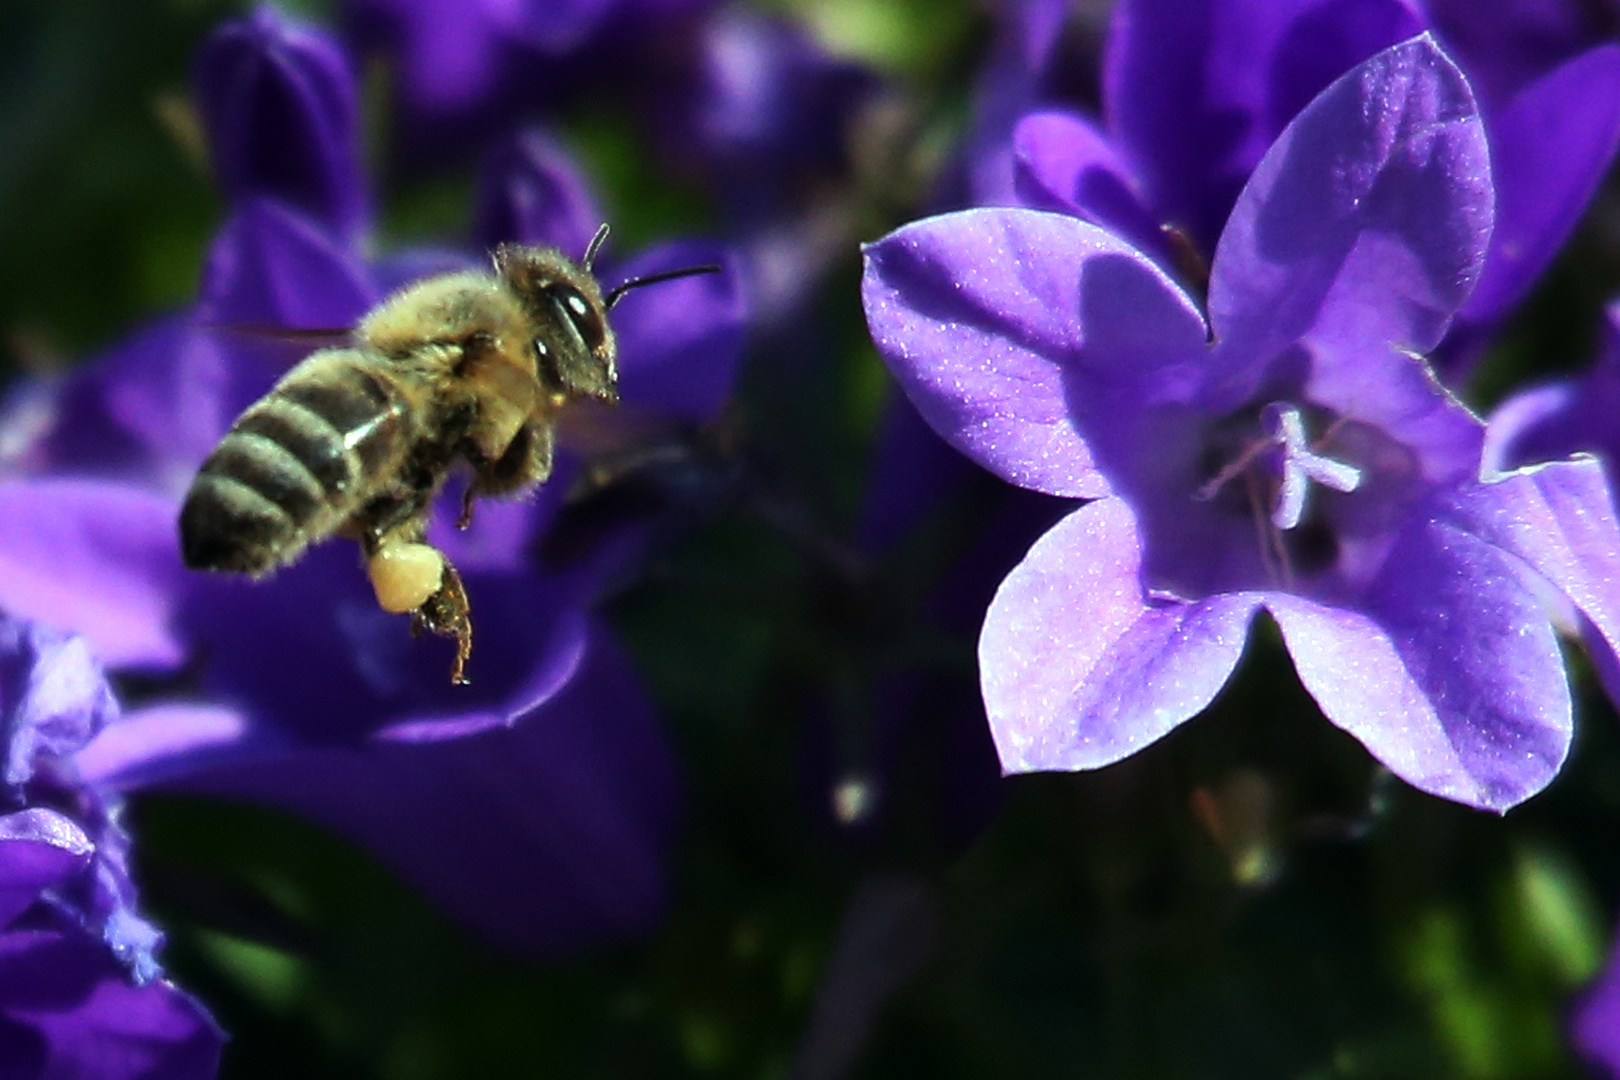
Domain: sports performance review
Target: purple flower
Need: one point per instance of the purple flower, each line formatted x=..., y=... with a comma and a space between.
x=463, y=71
x=1288, y=451
x=768, y=115
x=453, y=55
x=81, y=992
x=536, y=805
x=1595, y=1022
x=1562, y=418
x=279, y=107
x=1026, y=71
x=1509, y=44
x=1194, y=94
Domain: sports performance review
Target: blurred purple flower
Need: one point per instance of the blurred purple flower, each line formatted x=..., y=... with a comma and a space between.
x=768, y=115
x=465, y=71
x=748, y=106
x=1290, y=453
x=536, y=805
x=81, y=992
x=1509, y=44
x=279, y=107
x=1559, y=419
x=1595, y=1022
x=1193, y=94
x=454, y=55
x=1028, y=69
x=1565, y=416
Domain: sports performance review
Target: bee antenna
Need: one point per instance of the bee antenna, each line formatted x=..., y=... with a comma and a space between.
x=653, y=279
x=595, y=245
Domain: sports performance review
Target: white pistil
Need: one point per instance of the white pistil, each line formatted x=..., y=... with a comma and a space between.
x=1301, y=464
x=1285, y=431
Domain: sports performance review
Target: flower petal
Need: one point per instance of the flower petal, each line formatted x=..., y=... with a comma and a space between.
x=147, y=746
x=1064, y=164
x=1559, y=518
x=449, y=55
x=1540, y=423
x=90, y=1021
x=1196, y=91
x=273, y=267
x=278, y=100
x=531, y=192
x=53, y=697
x=1366, y=223
x=1009, y=85
x=1549, y=149
x=38, y=849
x=1079, y=668
x=320, y=621
x=542, y=836
x=999, y=324
x=97, y=559
x=1449, y=674
x=1595, y=1021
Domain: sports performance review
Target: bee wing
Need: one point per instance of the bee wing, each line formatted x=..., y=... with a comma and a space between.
x=310, y=338
x=664, y=474
x=272, y=350
x=597, y=429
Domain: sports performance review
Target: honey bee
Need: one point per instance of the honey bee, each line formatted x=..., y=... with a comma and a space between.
x=356, y=441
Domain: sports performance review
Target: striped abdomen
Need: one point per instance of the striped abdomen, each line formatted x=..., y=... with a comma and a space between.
x=294, y=465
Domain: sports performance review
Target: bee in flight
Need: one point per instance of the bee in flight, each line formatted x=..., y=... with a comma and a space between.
x=356, y=441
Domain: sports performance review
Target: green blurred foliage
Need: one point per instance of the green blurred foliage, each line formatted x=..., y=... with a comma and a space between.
x=105, y=205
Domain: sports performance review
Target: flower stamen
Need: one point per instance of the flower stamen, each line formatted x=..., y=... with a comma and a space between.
x=1301, y=464
x=1296, y=463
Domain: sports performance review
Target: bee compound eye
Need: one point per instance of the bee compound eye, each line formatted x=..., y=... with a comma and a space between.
x=545, y=362
x=580, y=312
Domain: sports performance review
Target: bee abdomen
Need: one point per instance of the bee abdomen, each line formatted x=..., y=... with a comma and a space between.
x=226, y=525
x=250, y=507
x=292, y=468
x=313, y=442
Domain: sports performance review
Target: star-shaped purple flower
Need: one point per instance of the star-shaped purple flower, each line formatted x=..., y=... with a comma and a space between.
x=1284, y=449
x=1195, y=93
x=81, y=992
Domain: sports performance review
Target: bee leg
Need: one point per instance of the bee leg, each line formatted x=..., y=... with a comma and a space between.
x=525, y=461
x=448, y=614
x=409, y=575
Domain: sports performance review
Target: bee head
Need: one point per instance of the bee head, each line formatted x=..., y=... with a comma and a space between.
x=573, y=344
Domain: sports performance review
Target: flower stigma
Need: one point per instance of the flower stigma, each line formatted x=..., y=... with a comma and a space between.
x=1277, y=470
